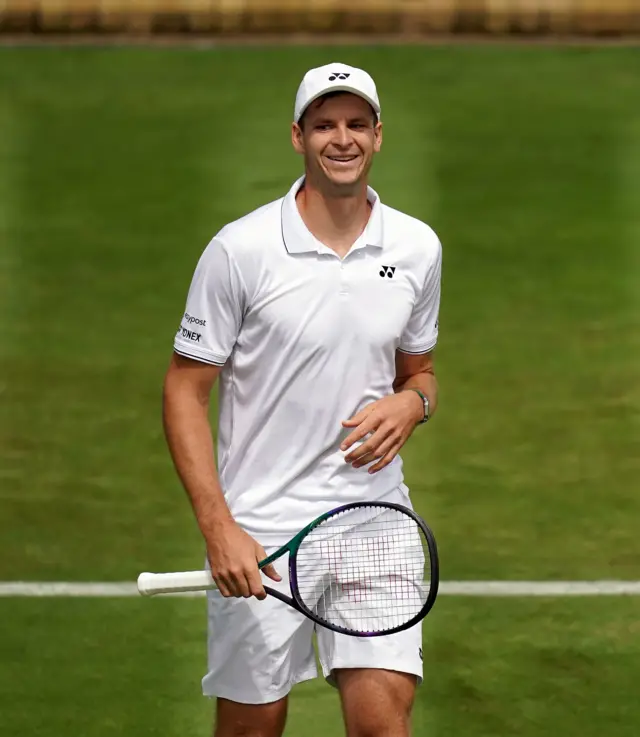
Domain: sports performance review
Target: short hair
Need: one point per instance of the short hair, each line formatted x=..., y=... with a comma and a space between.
x=328, y=96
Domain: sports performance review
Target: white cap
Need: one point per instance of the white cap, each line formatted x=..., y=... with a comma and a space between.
x=335, y=78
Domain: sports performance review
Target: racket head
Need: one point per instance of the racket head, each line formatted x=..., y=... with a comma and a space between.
x=365, y=569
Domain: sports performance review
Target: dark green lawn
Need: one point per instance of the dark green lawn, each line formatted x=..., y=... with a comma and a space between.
x=118, y=165
x=500, y=667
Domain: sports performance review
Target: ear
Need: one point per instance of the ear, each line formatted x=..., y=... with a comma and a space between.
x=297, y=138
x=377, y=137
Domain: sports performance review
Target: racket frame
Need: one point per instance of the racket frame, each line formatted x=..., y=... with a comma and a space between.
x=292, y=547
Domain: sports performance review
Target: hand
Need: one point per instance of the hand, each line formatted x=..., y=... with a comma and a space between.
x=234, y=556
x=390, y=421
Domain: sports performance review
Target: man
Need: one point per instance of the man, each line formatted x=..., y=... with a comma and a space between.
x=318, y=313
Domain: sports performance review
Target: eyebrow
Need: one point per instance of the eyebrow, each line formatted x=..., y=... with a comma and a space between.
x=350, y=121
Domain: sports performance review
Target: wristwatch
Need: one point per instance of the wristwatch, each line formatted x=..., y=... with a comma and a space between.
x=425, y=402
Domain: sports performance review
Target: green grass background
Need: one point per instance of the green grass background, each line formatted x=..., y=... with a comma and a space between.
x=116, y=168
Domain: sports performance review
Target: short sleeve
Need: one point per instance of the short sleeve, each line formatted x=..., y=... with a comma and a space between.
x=421, y=332
x=215, y=306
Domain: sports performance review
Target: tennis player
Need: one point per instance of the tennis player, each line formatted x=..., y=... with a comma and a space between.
x=318, y=315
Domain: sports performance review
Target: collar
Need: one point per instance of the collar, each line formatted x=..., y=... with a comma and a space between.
x=298, y=239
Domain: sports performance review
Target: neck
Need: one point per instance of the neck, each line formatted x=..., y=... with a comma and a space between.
x=335, y=220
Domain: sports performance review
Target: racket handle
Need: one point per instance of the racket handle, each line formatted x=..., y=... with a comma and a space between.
x=173, y=583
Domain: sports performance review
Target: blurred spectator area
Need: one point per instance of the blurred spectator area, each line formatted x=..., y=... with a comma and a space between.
x=402, y=17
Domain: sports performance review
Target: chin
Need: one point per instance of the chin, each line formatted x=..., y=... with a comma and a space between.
x=346, y=179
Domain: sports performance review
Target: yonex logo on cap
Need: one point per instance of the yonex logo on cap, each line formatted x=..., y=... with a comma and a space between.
x=336, y=76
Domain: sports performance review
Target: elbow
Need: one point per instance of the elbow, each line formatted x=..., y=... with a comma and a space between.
x=185, y=386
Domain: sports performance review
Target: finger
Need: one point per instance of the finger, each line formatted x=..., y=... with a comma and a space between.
x=358, y=417
x=222, y=586
x=238, y=583
x=366, y=427
x=352, y=422
x=254, y=584
x=386, y=460
x=369, y=458
x=385, y=446
x=370, y=445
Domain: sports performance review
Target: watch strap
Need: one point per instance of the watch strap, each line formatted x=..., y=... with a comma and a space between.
x=425, y=402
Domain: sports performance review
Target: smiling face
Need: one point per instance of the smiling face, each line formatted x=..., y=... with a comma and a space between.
x=338, y=136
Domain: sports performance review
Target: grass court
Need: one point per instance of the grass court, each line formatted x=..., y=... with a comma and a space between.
x=116, y=168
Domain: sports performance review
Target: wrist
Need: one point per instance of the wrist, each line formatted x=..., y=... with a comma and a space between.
x=217, y=525
x=422, y=403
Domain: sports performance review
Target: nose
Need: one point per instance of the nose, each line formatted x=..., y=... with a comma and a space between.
x=342, y=136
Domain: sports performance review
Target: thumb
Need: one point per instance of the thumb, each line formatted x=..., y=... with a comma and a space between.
x=271, y=572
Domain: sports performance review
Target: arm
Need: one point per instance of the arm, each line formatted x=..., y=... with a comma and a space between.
x=416, y=372
x=232, y=553
x=185, y=407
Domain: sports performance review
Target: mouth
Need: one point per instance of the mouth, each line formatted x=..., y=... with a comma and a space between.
x=342, y=160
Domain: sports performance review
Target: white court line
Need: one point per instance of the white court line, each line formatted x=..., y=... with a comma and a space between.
x=447, y=588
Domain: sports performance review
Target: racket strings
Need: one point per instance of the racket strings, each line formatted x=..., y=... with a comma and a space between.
x=363, y=569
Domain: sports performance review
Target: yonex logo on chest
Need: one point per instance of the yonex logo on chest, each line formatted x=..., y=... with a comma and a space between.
x=388, y=271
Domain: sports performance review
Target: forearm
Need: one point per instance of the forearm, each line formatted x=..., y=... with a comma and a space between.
x=188, y=433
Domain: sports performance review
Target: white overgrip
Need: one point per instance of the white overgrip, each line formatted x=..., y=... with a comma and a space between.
x=173, y=583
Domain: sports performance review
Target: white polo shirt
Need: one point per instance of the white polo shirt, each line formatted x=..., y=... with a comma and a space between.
x=307, y=339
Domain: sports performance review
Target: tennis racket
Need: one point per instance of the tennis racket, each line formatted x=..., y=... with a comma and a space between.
x=363, y=569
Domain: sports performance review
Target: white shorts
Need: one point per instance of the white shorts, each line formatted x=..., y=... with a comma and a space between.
x=258, y=650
